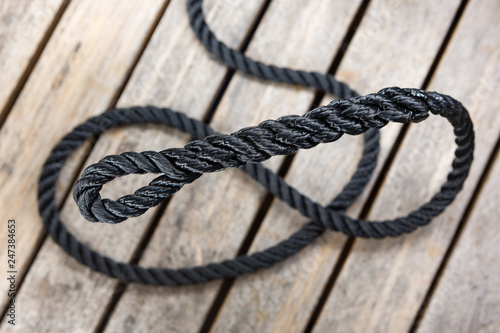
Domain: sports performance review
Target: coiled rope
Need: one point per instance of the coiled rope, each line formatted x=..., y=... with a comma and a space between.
x=213, y=152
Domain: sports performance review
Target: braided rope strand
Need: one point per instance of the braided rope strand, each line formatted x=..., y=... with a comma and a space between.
x=321, y=217
x=279, y=137
x=237, y=60
x=213, y=152
x=165, y=276
x=252, y=144
x=128, y=273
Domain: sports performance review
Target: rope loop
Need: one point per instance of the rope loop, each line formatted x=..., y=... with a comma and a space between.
x=212, y=152
x=285, y=135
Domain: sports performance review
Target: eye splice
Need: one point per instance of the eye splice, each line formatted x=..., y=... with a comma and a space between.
x=213, y=152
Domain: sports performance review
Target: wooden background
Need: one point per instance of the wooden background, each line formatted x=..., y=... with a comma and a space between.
x=62, y=61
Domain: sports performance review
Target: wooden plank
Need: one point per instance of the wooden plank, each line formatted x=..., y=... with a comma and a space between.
x=282, y=298
x=384, y=282
x=175, y=70
x=76, y=78
x=207, y=220
x=467, y=297
x=23, y=26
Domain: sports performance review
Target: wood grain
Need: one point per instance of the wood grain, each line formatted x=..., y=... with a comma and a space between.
x=175, y=70
x=23, y=25
x=77, y=78
x=384, y=282
x=283, y=297
x=467, y=297
x=207, y=220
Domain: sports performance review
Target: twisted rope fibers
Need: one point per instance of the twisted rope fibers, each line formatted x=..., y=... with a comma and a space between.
x=215, y=152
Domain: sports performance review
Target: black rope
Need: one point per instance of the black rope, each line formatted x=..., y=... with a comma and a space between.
x=213, y=152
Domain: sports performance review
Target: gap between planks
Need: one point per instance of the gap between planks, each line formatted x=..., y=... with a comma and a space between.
x=209, y=114
x=211, y=110
x=456, y=237
x=221, y=71
x=304, y=107
x=282, y=171
x=127, y=79
x=381, y=177
x=11, y=100
x=88, y=150
x=439, y=42
x=461, y=215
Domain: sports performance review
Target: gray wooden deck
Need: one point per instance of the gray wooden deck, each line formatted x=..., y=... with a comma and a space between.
x=62, y=61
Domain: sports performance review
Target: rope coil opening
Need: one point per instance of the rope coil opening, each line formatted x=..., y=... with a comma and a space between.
x=245, y=149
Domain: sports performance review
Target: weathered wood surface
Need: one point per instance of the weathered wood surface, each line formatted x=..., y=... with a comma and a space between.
x=283, y=297
x=385, y=282
x=199, y=225
x=162, y=77
x=23, y=27
x=467, y=298
x=81, y=72
x=78, y=77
